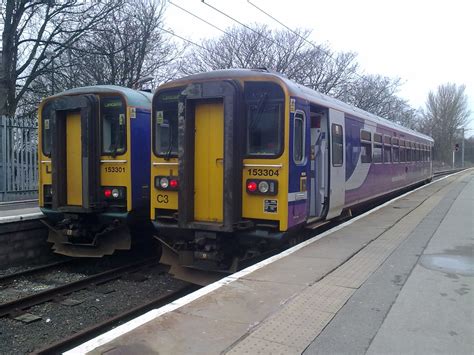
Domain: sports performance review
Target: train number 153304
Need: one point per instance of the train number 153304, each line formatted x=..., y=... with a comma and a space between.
x=263, y=172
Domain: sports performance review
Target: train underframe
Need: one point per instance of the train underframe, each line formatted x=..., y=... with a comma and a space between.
x=223, y=252
x=89, y=234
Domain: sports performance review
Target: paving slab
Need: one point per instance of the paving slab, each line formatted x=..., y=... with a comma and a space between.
x=172, y=333
x=244, y=301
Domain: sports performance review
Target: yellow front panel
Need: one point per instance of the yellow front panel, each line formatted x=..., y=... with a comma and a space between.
x=208, y=162
x=162, y=199
x=116, y=170
x=253, y=206
x=74, y=159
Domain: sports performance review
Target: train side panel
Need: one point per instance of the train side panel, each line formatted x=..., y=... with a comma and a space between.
x=140, y=158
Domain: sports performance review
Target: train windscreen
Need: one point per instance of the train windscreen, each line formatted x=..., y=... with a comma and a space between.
x=264, y=102
x=165, y=124
x=113, y=121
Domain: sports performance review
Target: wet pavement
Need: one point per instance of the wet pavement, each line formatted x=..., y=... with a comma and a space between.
x=451, y=264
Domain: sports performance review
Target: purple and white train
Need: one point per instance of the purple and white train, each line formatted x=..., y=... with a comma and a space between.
x=255, y=157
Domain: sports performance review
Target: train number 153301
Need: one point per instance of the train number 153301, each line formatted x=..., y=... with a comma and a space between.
x=263, y=172
x=114, y=169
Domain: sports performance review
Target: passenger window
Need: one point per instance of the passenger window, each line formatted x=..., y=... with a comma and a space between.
x=377, y=154
x=387, y=149
x=113, y=125
x=337, y=145
x=396, y=150
x=409, y=152
x=299, y=138
x=365, y=147
x=403, y=152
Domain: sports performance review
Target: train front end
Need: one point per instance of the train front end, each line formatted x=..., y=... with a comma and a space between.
x=220, y=168
x=93, y=173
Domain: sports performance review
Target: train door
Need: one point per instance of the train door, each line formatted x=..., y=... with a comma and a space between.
x=73, y=158
x=75, y=153
x=319, y=162
x=337, y=163
x=209, y=162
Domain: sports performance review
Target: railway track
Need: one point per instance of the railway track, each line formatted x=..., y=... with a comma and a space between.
x=447, y=172
x=7, y=279
x=89, y=333
x=16, y=307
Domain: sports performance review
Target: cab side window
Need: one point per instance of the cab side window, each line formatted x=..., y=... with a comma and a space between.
x=299, y=138
x=113, y=125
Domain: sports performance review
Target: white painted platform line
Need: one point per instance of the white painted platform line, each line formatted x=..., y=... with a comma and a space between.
x=155, y=313
x=19, y=218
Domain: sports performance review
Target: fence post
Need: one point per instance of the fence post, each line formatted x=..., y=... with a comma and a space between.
x=3, y=126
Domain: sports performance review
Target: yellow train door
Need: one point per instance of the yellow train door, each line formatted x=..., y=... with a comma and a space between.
x=208, y=162
x=74, y=158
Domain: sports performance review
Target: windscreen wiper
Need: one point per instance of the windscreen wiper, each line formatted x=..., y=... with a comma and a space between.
x=170, y=145
x=261, y=104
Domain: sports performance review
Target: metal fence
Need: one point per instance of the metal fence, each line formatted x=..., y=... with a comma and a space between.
x=18, y=158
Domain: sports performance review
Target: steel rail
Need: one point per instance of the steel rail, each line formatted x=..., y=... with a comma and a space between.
x=447, y=172
x=17, y=306
x=88, y=333
x=5, y=279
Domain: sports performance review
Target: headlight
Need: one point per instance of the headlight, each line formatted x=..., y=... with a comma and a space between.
x=115, y=193
x=164, y=182
x=263, y=187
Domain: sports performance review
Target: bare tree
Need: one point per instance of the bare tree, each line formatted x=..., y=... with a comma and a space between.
x=121, y=51
x=315, y=66
x=446, y=111
x=378, y=95
x=126, y=47
x=36, y=33
x=282, y=51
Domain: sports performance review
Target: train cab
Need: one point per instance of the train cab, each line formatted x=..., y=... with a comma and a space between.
x=94, y=151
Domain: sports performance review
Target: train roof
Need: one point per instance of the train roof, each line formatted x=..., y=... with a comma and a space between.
x=298, y=90
x=133, y=97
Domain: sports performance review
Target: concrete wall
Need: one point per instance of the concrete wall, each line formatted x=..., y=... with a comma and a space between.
x=22, y=242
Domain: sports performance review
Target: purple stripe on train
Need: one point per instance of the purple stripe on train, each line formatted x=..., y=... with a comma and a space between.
x=365, y=181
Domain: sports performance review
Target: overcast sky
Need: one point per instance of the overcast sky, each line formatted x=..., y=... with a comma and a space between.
x=426, y=43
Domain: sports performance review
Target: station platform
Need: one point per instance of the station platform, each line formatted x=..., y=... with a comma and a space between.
x=397, y=279
x=19, y=212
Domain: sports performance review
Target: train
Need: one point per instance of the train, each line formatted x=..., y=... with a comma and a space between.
x=94, y=171
x=243, y=160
